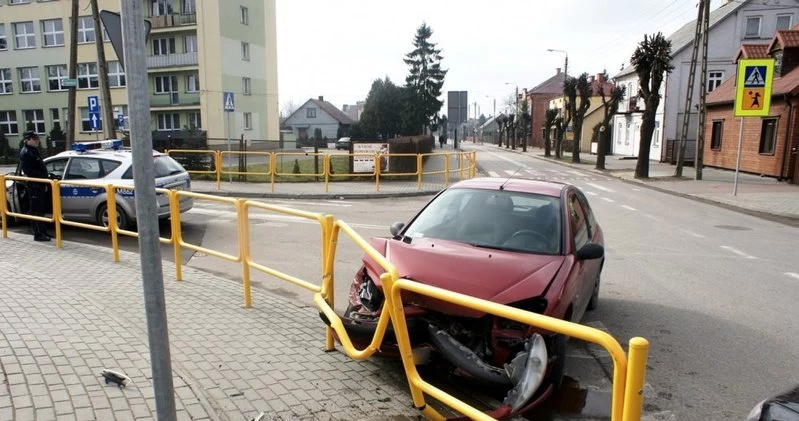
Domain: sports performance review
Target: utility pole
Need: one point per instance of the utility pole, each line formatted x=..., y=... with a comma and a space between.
x=73, y=74
x=134, y=39
x=102, y=68
x=686, y=118
x=700, y=125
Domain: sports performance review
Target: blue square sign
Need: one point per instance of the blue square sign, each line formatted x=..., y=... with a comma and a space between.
x=228, y=102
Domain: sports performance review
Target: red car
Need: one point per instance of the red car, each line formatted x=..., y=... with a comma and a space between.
x=529, y=244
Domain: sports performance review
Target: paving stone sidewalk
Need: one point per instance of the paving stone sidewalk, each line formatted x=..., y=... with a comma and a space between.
x=68, y=314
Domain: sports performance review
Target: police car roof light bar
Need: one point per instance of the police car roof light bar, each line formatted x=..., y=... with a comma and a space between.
x=114, y=144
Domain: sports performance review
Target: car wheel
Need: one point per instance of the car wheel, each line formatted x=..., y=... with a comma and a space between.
x=123, y=221
x=594, y=303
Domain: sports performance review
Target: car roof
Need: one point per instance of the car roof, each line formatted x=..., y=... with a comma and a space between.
x=524, y=185
x=123, y=154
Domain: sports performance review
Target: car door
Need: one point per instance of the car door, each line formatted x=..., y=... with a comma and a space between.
x=580, y=235
x=77, y=201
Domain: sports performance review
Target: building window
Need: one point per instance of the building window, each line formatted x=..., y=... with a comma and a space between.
x=714, y=79
x=24, y=37
x=8, y=122
x=784, y=22
x=168, y=121
x=116, y=75
x=35, y=120
x=247, y=121
x=194, y=120
x=6, y=85
x=245, y=86
x=166, y=84
x=19, y=1
x=752, y=27
x=163, y=46
x=3, y=39
x=52, y=33
x=29, y=80
x=161, y=8
x=55, y=117
x=87, y=76
x=193, y=82
x=189, y=7
x=310, y=112
x=244, y=15
x=245, y=51
x=656, y=135
x=768, y=135
x=85, y=29
x=190, y=43
x=715, y=136
x=55, y=77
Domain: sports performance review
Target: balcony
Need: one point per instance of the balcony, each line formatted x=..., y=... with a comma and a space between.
x=173, y=21
x=175, y=99
x=172, y=60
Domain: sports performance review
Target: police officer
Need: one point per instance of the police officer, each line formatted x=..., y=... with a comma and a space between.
x=33, y=167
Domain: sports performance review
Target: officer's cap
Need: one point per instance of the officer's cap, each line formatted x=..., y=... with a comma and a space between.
x=30, y=134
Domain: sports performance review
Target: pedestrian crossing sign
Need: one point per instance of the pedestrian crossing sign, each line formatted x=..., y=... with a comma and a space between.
x=228, y=102
x=753, y=87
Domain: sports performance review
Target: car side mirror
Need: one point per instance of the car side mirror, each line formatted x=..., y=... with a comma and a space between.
x=396, y=228
x=590, y=251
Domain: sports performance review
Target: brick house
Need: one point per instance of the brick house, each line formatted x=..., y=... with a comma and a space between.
x=769, y=144
x=538, y=98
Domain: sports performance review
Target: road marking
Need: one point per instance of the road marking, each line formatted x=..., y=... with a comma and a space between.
x=653, y=217
x=518, y=164
x=591, y=193
x=635, y=189
x=274, y=218
x=738, y=252
x=628, y=207
x=792, y=275
x=510, y=172
x=608, y=200
x=695, y=234
x=580, y=173
x=493, y=174
x=531, y=172
x=597, y=186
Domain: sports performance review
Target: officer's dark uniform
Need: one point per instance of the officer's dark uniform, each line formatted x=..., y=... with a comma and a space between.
x=33, y=167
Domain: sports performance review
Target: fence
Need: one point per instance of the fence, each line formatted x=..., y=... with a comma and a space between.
x=628, y=370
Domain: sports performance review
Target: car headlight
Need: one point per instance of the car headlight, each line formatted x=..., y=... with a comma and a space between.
x=370, y=295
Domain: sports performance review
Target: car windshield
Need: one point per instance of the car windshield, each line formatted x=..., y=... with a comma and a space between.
x=505, y=220
x=166, y=166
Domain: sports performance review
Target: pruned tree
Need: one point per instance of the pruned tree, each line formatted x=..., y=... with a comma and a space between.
x=610, y=105
x=523, y=123
x=549, y=121
x=578, y=92
x=288, y=108
x=424, y=81
x=652, y=61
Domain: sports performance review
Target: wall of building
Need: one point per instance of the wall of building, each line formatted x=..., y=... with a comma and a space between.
x=325, y=122
x=539, y=103
x=752, y=160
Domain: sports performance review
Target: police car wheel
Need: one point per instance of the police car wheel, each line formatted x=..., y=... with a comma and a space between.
x=123, y=222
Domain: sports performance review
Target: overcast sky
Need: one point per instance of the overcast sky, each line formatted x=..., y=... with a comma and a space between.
x=337, y=48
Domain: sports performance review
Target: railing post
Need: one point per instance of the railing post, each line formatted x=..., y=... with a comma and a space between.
x=111, y=203
x=419, y=171
x=244, y=249
x=3, y=205
x=218, y=156
x=636, y=375
x=328, y=280
x=446, y=169
x=174, y=209
x=273, y=169
x=377, y=172
x=326, y=169
x=56, y=186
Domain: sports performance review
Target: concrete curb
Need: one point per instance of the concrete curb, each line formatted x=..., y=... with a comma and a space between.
x=763, y=214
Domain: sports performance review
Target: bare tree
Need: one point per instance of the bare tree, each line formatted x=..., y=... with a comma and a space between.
x=288, y=108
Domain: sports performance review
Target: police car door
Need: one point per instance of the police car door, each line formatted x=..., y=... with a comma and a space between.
x=77, y=201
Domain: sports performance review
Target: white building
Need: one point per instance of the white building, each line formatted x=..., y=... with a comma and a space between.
x=628, y=119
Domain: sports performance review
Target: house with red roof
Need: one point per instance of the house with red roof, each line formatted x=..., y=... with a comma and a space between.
x=768, y=144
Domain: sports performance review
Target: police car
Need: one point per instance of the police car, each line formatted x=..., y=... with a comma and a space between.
x=101, y=163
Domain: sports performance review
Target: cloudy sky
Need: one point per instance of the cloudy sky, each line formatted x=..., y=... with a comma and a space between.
x=337, y=48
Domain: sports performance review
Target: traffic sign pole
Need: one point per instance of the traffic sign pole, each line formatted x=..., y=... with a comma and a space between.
x=229, y=105
x=738, y=160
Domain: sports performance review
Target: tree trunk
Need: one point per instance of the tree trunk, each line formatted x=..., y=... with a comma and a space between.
x=602, y=147
x=647, y=129
x=547, y=142
x=578, y=137
x=558, y=143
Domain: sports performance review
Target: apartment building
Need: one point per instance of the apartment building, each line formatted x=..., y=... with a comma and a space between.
x=196, y=51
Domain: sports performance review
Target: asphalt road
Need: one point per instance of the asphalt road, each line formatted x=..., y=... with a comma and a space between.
x=711, y=289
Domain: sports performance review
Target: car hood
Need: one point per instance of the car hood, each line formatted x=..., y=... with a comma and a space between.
x=500, y=276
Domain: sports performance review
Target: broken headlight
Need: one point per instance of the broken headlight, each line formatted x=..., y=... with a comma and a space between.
x=370, y=295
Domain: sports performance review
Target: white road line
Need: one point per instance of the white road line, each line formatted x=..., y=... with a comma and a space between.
x=590, y=193
x=634, y=189
x=695, y=234
x=608, y=199
x=531, y=172
x=628, y=207
x=653, y=217
x=493, y=174
x=738, y=252
x=597, y=186
x=510, y=172
x=515, y=163
x=792, y=275
x=580, y=173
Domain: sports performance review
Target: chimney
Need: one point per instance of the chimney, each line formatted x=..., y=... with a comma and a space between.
x=557, y=70
x=321, y=98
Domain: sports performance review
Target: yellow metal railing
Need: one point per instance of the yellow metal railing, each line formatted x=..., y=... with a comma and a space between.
x=628, y=370
x=462, y=163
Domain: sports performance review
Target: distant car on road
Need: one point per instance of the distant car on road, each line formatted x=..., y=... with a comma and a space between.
x=533, y=245
x=101, y=163
x=343, y=143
